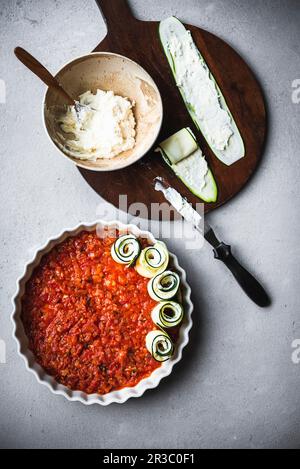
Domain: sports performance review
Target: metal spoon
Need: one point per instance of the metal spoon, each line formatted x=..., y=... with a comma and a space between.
x=40, y=71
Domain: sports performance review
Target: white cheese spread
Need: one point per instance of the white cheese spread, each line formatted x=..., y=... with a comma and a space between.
x=104, y=129
x=178, y=202
x=193, y=170
x=201, y=92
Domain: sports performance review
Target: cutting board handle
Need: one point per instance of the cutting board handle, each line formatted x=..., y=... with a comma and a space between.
x=116, y=13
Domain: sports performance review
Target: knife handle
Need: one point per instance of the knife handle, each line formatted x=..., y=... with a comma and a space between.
x=248, y=283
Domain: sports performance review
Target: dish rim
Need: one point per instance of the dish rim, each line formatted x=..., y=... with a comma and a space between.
x=78, y=162
x=119, y=396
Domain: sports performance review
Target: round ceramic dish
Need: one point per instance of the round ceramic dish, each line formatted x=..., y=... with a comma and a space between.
x=121, y=395
x=109, y=72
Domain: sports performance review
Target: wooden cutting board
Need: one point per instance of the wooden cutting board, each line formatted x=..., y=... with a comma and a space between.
x=139, y=41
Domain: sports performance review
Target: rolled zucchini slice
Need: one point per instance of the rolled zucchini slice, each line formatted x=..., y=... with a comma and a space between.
x=126, y=249
x=167, y=314
x=216, y=123
x=164, y=286
x=159, y=344
x=182, y=153
x=153, y=260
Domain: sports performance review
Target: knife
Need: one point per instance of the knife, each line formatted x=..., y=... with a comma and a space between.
x=221, y=251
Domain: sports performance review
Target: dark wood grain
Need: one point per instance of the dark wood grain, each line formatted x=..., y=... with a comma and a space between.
x=139, y=41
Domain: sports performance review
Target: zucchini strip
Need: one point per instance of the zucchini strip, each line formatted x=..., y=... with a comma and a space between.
x=164, y=286
x=167, y=314
x=200, y=92
x=153, y=260
x=179, y=146
x=191, y=167
x=159, y=344
x=126, y=249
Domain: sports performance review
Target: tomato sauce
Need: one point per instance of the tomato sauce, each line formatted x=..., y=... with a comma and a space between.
x=86, y=317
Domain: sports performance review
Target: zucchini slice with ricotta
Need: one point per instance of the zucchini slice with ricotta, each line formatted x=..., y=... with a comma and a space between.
x=167, y=314
x=200, y=92
x=164, y=286
x=182, y=153
x=126, y=249
x=159, y=344
x=153, y=260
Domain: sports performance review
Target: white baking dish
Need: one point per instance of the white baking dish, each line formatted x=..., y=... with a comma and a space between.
x=122, y=395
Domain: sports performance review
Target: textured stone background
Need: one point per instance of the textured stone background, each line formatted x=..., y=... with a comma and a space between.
x=236, y=386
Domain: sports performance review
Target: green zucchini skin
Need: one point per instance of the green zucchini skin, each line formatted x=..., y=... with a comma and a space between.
x=152, y=340
x=162, y=319
x=144, y=268
x=208, y=193
x=119, y=254
x=160, y=293
x=236, y=148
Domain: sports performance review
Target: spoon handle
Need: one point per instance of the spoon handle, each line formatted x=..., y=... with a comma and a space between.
x=39, y=70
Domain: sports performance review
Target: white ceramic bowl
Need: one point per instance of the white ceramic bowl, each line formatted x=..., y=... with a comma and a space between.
x=108, y=72
x=122, y=395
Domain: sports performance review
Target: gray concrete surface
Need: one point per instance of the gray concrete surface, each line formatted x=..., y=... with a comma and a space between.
x=236, y=386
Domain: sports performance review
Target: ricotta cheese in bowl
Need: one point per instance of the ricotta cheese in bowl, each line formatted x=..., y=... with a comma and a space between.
x=123, y=116
x=103, y=129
